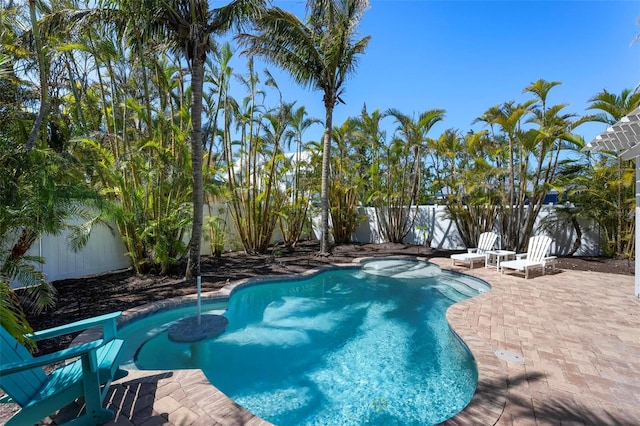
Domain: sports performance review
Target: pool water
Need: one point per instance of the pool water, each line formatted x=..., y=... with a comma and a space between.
x=348, y=346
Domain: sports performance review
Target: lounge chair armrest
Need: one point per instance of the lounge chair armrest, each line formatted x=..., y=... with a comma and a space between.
x=107, y=321
x=472, y=250
x=52, y=358
x=521, y=256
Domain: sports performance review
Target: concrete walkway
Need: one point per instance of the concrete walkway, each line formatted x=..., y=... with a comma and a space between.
x=563, y=348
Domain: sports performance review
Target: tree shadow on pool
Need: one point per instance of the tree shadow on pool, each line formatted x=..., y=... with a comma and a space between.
x=521, y=408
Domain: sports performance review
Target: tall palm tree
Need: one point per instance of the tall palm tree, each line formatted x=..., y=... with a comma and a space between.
x=292, y=223
x=370, y=137
x=399, y=190
x=187, y=27
x=319, y=53
x=413, y=132
x=508, y=119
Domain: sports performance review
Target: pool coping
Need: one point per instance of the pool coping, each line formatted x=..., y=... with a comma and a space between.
x=486, y=405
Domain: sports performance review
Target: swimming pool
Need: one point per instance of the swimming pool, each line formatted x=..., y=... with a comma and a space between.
x=345, y=346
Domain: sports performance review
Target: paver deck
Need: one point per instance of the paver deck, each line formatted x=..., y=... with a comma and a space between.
x=577, y=337
x=554, y=349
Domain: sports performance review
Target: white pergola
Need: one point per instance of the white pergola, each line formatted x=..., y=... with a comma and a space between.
x=624, y=137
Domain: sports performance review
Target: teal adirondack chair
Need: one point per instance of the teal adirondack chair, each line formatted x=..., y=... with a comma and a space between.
x=39, y=394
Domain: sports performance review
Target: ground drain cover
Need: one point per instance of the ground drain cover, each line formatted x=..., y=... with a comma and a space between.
x=510, y=356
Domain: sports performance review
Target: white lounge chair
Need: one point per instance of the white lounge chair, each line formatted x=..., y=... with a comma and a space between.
x=485, y=243
x=535, y=257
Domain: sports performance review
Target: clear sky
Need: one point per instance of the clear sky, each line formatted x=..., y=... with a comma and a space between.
x=466, y=56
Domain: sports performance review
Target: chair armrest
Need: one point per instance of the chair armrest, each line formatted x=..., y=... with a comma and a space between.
x=472, y=250
x=107, y=321
x=72, y=352
x=521, y=256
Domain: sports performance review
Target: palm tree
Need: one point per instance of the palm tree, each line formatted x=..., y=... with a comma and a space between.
x=187, y=26
x=41, y=185
x=345, y=184
x=298, y=195
x=612, y=108
x=534, y=134
x=508, y=118
x=319, y=53
x=368, y=141
x=399, y=190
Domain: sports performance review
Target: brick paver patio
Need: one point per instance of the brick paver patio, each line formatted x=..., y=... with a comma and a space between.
x=577, y=337
x=562, y=348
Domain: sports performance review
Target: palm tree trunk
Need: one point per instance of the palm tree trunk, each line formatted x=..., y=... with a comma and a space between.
x=324, y=189
x=197, y=79
x=43, y=75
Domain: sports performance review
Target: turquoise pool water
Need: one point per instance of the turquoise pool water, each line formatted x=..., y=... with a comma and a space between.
x=348, y=346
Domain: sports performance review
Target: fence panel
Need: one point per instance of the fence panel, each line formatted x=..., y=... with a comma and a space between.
x=105, y=251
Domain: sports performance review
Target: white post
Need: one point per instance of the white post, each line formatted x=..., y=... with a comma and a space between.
x=637, y=261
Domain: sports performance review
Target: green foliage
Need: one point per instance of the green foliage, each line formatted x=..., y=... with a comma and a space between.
x=320, y=53
x=605, y=192
x=40, y=192
x=344, y=183
x=397, y=171
x=470, y=180
x=148, y=183
x=298, y=172
x=116, y=114
x=255, y=167
x=527, y=142
x=12, y=316
x=217, y=234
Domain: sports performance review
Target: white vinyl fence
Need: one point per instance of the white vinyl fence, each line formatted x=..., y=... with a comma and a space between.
x=432, y=224
x=105, y=251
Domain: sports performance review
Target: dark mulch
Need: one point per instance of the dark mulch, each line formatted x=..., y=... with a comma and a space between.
x=119, y=291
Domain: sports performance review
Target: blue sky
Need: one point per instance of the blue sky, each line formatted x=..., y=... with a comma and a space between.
x=466, y=56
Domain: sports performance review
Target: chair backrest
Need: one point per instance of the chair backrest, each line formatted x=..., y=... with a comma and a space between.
x=538, y=247
x=19, y=386
x=486, y=241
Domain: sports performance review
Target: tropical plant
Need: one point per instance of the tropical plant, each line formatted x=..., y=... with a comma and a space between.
x=344, y=183
x=42, y=187
x=467, y=173
x=319, y=53
x=186, y=26
x=294, y=215
x=367, y=141
x=572, y=207
x=137, y=152
x=613, y=178
x=396, y=181
x=255, y=165
x=536, y=136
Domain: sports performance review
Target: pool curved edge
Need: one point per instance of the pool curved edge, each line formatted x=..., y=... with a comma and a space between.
x=490, y=398
x=486, y=405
